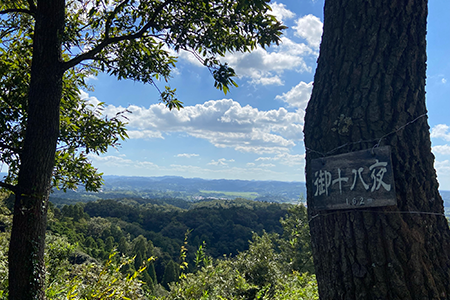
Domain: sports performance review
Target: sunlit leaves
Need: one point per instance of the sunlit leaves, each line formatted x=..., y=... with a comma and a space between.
x=74, y=168
x=140, y=60
x=223, y=77
x=168, y=98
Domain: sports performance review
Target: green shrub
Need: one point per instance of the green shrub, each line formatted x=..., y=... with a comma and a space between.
x=298, y=286
x=105, y=282
x=258, y=273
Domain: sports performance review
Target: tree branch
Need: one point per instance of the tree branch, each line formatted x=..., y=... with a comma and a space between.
x=17, y=10
x=107, y=41
x=10, y=187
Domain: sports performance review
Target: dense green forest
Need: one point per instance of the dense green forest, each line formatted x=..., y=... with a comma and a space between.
x=173, y=249
x=103, y=225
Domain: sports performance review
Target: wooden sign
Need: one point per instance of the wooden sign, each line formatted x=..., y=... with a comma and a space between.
x=353, y=180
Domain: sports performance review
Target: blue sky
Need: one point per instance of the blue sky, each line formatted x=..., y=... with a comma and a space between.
x=255, y=131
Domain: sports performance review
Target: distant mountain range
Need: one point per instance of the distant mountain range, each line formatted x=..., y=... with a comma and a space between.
x=288, y=190
x=192, y=189
x=197, y=189
x=446, y=197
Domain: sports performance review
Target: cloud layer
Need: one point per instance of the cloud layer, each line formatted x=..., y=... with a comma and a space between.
x=224, y=123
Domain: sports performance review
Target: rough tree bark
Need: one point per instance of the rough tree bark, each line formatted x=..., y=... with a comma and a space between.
x=26, y=279
x=369, y=90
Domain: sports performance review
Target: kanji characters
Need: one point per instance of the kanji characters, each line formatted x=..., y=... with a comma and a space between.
x=324, y=181
x=339, y=180
x=377, y=176
x=358, y=174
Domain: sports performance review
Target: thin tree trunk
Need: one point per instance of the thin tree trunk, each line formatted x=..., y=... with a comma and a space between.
x=369, y=90
x=26, y=255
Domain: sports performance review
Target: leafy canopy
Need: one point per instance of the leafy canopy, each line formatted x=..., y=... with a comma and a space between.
x=129, y=39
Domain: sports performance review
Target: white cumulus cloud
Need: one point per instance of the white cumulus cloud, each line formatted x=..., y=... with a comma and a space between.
x=90, y=99
x=441, y=131
x=280, y=11
x=275, y=80
x=224, y=123
x=265, y=66
x=310, y=28
x=442, y=149
x=291, y=159
x=298, y=96
x=144, y=134
x=442, y=167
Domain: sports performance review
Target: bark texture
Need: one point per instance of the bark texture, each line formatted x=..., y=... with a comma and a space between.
x=369, y=90
x=26, y=255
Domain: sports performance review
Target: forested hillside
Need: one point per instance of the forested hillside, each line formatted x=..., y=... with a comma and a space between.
x=226, y=228
x=179, y=241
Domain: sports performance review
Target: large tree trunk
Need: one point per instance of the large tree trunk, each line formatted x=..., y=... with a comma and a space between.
x=26, y=255
x=369, y=90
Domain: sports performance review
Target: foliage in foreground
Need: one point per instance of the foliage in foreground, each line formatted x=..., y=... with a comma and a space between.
x=87, y=281
x=270, y=269
x=258, y=273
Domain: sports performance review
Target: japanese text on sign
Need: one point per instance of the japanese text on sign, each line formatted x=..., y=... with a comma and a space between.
x=353, y=179
x=323, y=179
